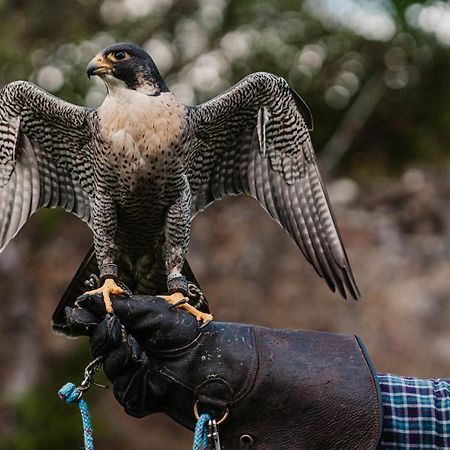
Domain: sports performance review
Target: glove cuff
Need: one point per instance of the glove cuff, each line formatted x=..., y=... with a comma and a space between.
x=313, y=381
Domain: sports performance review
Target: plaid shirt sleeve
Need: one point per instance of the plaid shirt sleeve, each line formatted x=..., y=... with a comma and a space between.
x=416, y=413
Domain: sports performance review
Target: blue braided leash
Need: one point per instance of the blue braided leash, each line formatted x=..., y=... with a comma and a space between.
x=71, y=394
x=201, y=432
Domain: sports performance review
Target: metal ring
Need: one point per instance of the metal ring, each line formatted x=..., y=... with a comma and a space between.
x=246, y=442
x=218, y=422
x=196, y=415
x=174, y=275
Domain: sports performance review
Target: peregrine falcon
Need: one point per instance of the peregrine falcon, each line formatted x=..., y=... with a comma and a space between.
x=139, y=168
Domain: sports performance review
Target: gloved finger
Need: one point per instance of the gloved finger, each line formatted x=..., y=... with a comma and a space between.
x=126, y=355
x=80, y=322
x=83, y=318
x=141, y=391
x=93, y=303
x=155, y=324
x=106, y=336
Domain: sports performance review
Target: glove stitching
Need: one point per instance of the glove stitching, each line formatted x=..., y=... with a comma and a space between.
x=173, y=351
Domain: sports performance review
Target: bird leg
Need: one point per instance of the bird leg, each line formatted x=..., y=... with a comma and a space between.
x=178, y=299
x=178, y=227
x=109, y=287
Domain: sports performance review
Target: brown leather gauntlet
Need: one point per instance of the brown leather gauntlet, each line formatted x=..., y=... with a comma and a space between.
x=280, y=389
x=311, y=390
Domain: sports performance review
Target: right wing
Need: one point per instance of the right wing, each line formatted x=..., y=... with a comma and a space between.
x=46, y=146
x=253, y=139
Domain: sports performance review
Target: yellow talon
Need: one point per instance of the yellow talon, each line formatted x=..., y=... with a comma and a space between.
x=178, y=297
x=109, y=287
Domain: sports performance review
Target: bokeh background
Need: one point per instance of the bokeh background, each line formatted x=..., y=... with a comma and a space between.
x=376, y=74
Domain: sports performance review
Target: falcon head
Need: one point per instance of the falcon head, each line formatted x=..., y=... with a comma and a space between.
x=129, y=66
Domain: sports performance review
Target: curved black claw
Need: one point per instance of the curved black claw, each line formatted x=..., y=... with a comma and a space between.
x=203, y=325
x=178, y=303
x=126, y=290
x=81, y=298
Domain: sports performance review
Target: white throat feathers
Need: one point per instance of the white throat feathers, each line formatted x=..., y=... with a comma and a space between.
x=137, y=126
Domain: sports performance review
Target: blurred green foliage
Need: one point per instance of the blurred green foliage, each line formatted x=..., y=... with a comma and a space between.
x=42, y=420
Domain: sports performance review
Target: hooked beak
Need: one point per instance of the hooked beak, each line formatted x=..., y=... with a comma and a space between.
x=98, y=66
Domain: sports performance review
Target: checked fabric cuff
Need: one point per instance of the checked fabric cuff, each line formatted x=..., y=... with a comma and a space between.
x=416, y=412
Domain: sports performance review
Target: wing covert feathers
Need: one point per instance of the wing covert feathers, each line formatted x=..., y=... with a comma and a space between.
x=254, y=139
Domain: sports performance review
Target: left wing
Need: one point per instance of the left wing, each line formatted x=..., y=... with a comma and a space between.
x=254, y=139
x=46, y=147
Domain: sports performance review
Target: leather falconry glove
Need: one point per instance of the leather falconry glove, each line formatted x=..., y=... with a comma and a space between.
x=275, y=388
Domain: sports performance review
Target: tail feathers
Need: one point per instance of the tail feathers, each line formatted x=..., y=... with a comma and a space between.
x=77, y=287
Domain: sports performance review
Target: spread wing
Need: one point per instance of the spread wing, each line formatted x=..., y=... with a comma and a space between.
x=254, y=139
x=45, y=151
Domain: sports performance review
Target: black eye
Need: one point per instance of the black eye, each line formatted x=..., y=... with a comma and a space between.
x=120, y=55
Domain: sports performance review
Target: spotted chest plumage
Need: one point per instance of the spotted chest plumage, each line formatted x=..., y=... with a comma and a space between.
x=141, y=135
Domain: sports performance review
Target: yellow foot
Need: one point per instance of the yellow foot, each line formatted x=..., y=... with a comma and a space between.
x=178, y=299
x=109, y=287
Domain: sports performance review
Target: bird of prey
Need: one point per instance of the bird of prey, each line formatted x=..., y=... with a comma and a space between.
x=139, y=168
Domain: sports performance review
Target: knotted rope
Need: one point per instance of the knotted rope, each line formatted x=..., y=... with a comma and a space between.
x=201, y=433
x=71, y=394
